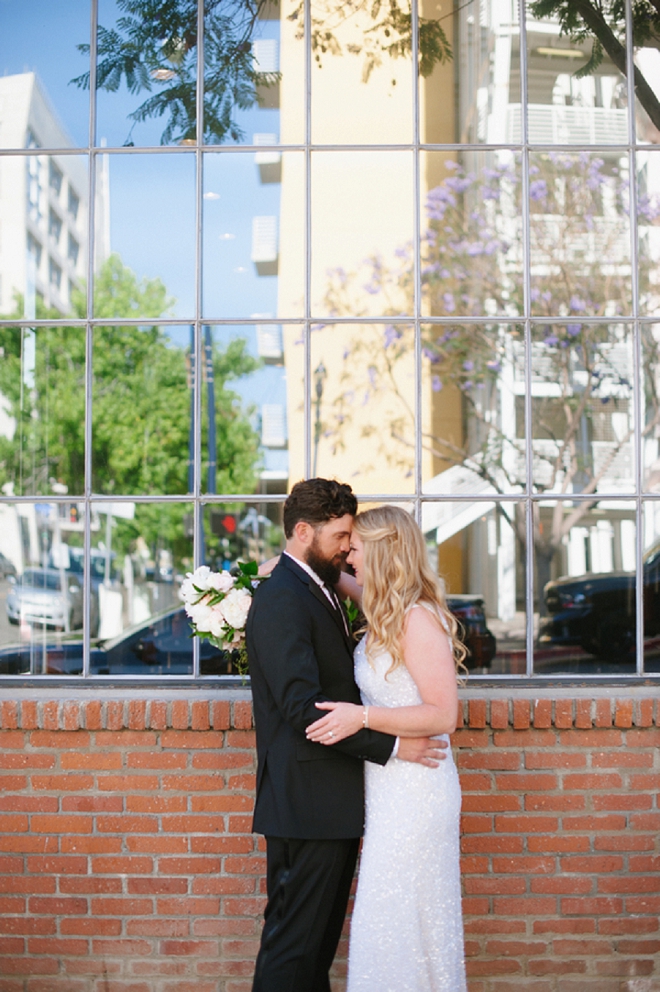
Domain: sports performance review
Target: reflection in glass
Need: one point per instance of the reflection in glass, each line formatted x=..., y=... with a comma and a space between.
x=473, y=379
x=141, y=410
x=362, y=213
x=471, y=235
x=484, y=72
x=478, y=549
x=363, y=406
x=42, y=412
x=585, y=587
x=254, y=245
x=41, y=588
x=651, y=585
x=582, y=408
x=41, y=102
x=579, y=234
x=650, y=351
x=648, y=226
x=140, y=553
x=153, y=224
x=362, y=59
x=40, y=272
x=576, y=97
x=244, y=410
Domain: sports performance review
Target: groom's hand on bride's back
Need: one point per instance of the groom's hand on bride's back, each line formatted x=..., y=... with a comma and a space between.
x=424, y=750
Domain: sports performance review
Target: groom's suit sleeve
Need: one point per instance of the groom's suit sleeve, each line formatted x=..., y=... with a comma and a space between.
x=292, y=672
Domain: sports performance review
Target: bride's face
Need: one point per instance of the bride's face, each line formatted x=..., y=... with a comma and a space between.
x=356, y=558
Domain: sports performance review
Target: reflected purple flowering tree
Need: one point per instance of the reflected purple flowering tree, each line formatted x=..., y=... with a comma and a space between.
x=582, y=387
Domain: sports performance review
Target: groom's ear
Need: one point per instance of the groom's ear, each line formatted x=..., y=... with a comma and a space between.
x=304, y=532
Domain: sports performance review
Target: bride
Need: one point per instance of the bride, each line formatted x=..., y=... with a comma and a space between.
x=407, y=929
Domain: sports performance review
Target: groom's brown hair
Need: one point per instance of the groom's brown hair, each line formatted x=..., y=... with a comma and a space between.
x=316, y=501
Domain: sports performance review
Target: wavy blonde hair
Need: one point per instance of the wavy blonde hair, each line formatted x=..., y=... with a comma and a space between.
x=397, y=575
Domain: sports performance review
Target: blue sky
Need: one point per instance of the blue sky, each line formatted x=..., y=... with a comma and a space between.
x=152, y=198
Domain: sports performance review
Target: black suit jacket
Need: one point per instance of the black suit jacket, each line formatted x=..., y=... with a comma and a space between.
x=300, y=654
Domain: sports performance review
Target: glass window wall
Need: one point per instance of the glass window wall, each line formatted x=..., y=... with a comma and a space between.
x=412, y=247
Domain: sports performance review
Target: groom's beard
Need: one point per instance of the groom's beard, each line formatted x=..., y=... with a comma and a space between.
x=327, y=569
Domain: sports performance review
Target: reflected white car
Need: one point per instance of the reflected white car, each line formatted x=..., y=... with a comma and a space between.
x=46, y=596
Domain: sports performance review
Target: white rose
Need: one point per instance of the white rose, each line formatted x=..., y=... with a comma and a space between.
x=221, y=581
x=201, y=577
x=216, y=622
x=187, y=592
x=235, y=607
x=200, y=614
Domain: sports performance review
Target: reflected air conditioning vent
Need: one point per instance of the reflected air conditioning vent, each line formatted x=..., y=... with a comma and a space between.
x=267, y=65
x=268, y=162
x=269, y=341
x=273, y=425
x=264, y=245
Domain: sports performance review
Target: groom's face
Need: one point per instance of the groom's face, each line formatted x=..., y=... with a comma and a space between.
x=328, y=548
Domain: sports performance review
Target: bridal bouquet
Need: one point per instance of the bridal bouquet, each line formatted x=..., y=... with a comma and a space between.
x=218, y=604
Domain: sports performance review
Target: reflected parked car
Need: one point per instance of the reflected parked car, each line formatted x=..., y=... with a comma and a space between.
x=163, y=646
x=46, y=596
x=597, y=612
x=473, y=630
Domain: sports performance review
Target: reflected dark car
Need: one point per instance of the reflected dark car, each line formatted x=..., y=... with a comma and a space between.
x=163, y=646
x=475, y=635
x=597, y=612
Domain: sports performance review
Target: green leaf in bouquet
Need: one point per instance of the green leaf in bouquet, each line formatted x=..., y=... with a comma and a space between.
x=248, y=568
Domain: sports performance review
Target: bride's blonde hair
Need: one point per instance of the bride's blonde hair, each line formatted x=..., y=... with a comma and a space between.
x=397, y=575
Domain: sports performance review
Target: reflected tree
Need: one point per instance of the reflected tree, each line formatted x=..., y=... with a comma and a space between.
x=153, y=49
x=471, y=265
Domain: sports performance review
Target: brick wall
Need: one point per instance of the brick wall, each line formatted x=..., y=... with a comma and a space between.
x=127, y=862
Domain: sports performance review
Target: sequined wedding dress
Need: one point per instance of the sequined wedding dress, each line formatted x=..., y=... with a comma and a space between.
x=407, y=927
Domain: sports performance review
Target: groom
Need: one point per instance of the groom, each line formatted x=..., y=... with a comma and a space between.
x=310, y=799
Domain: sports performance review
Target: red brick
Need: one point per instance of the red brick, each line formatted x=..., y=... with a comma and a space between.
x=645, y=783
x=188, y=906
x=484, y=885
x=591, y=738
x=121, y=907
x=61, y=740
x=526, y=824
x=638, y=946
x=542, y=714
x=156, y=759
x=241, y=739
x=490, y=804
x=120, y=948
x=557, y=844
x=192, y=739
x=220, y=715
x=127, y=824
x=603, y=713
x=563, y=713
x=151, y=844
x=515, y=948
x=646, y=737
x=180, y=716
x=29, y=804
x=621, y=759
x=521, y=714
x=93, y=714
x=189, y=947
x=588, y=782
x=636, y=925
x=13, y=760
x=25, y=924
x=90, y=845
x=526, y=783
x=610, y=821
x=13, y=783
x=92, y=804
x=524, y=865
x=127, y=783
x=199, y=719
x=114, y=714
x=189, y=866
x=137, y=711
x=221, y=845
x=643, y=712
x=126, y=738
x=156, y=804
x=157, y=886
x=99, y=761
x=622, y=801
x=549, y=966
x=26, y=885
x=193, y=824
x=531, y=738
x=61, y=783
x=13, y=824
x=564, y=926
x=242, y=713
x=29, y=714
x=9, y=714
x=122, y=865
x=593, y=864
x=525, y=906
x=61, y=824
x=57, y=906
x=499, y=714
x=560, y=886
x=70, y=716
x=57, y=865
x=645, y=821
x=475, y=782
x=623, y=716
x=477, y=714
x=595, y=906
x=49, y=713
x=158, y=715
x=583, y=717
x=470, y=738
x=89, y=885
x=246, y=782
x=627, y=841
x=628, y=884
x=153, y=927
x=56, y=945
x=555, y=759
x=223, y=759
x=493, y=760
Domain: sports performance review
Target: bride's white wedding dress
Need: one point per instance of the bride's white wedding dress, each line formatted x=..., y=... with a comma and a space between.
x=407, y=927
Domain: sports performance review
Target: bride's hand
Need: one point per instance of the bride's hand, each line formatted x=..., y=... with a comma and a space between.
x=343, y=720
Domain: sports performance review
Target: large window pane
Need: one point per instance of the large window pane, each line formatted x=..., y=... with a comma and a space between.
x=245, y=429
x=141, y=402
x=254, y=244
x=150, y=230
x=582, y=408
x=43, y=236
x=42, y=418
x=483, y=72
x=363, y=407
x=478, y=549
x=362, y=225
x=473, y=430
x=568, y=105
x=471, y=235
x=41, y=589
x=648, y=226
x=650, y=353
x=579, y=235
x=585, y=587
x=42, y=97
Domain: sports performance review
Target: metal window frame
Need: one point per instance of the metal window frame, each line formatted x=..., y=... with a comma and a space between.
x=198, y=499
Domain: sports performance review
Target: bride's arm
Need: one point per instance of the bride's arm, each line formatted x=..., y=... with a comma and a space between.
x=429, y=659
